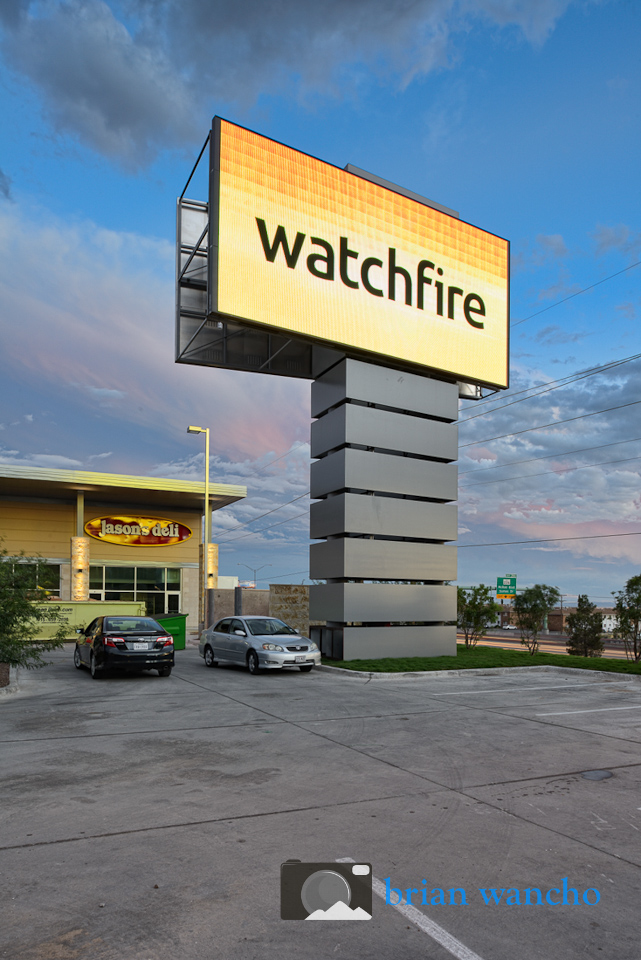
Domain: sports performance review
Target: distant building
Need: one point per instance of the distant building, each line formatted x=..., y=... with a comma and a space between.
x=556, y=625
x=227, y=583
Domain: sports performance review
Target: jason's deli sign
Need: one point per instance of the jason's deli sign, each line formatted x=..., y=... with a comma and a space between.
x=138, y=531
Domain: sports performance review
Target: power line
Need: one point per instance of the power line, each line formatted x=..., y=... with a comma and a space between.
x=530, y=476
x=555, y=423
x=564, y=382
x=255, y=473
x=507, y=543
x=254, y=533
x=548, y=456
x=296, y=573
x=266, y=514
x=578, y=293
x=282, y=457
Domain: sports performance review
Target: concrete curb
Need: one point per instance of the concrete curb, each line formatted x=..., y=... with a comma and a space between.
x=484, y=672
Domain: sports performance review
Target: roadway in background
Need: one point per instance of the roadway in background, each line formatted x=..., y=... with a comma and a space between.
x=551, y=643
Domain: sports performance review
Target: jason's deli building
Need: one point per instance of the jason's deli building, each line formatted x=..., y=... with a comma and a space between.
x=111, y=537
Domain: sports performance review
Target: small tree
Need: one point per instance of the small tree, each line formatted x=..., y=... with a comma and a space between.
x=628, y=608
x=532, y=607
x=22, y=611
x=476, y=610
x=585, y=627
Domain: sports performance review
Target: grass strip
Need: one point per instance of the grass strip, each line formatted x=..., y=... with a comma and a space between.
x=481, y=657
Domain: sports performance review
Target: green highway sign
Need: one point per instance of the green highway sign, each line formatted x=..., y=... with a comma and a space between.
x=505, y=587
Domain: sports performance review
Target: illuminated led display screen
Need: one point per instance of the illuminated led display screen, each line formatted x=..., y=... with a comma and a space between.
x=300, y=246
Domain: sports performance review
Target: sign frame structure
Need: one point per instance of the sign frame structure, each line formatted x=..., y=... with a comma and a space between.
x=505, y=588
x=270, y=208
x=300, y=268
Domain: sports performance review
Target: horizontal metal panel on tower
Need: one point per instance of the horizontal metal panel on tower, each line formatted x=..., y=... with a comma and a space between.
x=371, y=643
x=369, y=427
x=382, y=517
x=366, y=470
x=356, y=380
x=365, y=559
x=381, y=602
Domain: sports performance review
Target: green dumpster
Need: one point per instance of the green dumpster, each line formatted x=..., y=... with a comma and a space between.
x=175, y=624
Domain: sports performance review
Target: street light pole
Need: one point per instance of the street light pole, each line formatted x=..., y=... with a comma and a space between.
x=206, y=534
x=255, y=570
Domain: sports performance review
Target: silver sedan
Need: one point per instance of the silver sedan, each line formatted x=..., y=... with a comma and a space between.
x=258, y=643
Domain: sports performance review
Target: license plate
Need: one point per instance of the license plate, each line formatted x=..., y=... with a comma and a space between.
x=300, y=659
x=140, y=646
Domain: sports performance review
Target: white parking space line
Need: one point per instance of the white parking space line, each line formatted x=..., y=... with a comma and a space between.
x=433, y=930
x=563, y=713
x=560, y=686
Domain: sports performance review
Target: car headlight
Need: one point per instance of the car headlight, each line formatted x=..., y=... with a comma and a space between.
x=272, y=646
x=312, y=646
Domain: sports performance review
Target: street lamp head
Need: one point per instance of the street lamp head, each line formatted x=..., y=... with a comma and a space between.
x=196, y=429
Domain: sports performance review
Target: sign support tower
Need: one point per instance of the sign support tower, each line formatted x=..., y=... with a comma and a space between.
x=394, y=307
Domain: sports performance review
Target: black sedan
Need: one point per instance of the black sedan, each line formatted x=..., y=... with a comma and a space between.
x=124, y=643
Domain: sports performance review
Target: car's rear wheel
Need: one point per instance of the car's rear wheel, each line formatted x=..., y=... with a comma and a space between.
x=77, y=662
x=95, y=670
x=252, y=662
x=210, y=660
x=307, y=668
x=164, y=671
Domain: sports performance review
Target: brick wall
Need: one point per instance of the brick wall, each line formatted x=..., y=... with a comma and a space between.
x=255, y=602
x=290, y=602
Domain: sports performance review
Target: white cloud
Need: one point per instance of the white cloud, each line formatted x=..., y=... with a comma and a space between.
x=55, y=461
x=533, y=498
x=131, y=79
x=627, y=310
x=105, y=394
x=69, y=284
x=271, y=485
x=619, y=237
x=550, y=246
x=5, y=185
x=122, y=97
x=563, y=287
x=554, y=335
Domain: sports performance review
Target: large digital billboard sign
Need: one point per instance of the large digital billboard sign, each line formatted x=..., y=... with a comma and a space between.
x=298, y=246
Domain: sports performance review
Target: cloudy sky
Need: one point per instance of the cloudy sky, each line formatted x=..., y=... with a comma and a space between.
x=521, y=114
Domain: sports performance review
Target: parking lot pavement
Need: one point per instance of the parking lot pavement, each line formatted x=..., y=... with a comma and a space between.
x=146, y=818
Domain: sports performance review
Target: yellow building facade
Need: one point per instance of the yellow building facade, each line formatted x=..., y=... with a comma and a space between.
x=107, y=537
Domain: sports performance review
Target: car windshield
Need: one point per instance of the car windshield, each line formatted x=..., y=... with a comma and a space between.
x=261, y=628
x=131, y=625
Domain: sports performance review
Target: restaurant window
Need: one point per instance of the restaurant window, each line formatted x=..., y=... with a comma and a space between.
x=41, y=576
x=157, y=587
